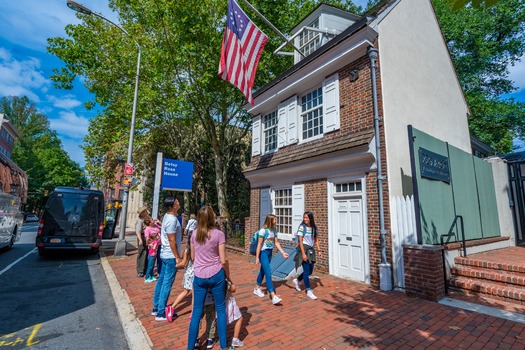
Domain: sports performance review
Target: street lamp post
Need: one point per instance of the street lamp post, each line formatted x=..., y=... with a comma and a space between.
x=120, y=247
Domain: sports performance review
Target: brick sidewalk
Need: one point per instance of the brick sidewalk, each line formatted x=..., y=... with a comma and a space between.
x=347, y=315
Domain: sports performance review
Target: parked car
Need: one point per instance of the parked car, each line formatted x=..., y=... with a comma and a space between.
x=30, y=217
x=73, y=219
x=11, y=219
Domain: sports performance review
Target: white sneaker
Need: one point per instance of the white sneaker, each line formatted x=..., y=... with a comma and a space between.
x=276, y=300
x=296, y=284
x=160, y=318
x=258, y=292
x=311, y=295
x=236, y=342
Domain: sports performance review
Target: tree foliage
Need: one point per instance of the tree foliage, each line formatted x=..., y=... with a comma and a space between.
x=179, y=86
x=39, y=151
x=483, y=43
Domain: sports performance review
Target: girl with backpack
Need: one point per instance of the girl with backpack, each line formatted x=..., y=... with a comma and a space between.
x=306, y=255
x=267, y=239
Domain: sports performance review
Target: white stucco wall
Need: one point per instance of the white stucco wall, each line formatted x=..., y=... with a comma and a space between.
x=419, y=85
x=503, y=198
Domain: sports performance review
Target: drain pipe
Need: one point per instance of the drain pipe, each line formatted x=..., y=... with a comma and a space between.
x=385, y=274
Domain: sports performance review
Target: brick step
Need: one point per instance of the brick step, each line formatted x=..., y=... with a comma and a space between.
x=511, y=267
x=489, y=289
x=501, y=276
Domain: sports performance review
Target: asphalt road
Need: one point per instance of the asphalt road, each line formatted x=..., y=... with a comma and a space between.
x=61, y=301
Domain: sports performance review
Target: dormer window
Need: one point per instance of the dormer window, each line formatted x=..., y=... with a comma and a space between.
x=310, y=40
x=270, y=131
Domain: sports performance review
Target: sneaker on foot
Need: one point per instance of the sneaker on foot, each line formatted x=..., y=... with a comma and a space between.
x=160, y=318
x=148, y=280
x=140, y=275
x=210, y=343
x=154, y=313
x=258, y=292
x=276, y=300
x=153, y=279
x=237, y=342
x=196, y=346
x=311, y=295
x=296, y=284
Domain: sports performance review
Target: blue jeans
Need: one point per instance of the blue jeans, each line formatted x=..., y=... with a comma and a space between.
x=265, y=257
x=151, y=264
x=200, y=286
x=163, y=287
x=308, y=269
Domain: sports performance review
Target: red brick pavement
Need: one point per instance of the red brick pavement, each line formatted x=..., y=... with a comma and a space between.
x=347, y=315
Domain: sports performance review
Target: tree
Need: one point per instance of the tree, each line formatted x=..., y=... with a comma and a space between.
x=483, y=43
x=39, y=151
x=459, y=4
x=181, y=43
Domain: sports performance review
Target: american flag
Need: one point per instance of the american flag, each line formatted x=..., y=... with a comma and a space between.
x=242, y=46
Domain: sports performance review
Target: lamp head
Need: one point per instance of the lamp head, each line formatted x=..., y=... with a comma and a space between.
x=75, y=6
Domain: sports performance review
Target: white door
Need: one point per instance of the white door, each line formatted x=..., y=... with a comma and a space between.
x=349, y=236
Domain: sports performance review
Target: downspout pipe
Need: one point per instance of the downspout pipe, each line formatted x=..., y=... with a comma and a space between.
x=385, y=274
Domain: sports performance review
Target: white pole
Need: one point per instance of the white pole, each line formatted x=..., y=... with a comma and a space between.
x=156, y=186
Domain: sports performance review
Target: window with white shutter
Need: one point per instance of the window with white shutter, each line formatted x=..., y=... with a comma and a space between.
x=265, y=205
x=331, y=103
x=256, y=136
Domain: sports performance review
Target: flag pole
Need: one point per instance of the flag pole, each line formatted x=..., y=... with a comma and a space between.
x=272, y=26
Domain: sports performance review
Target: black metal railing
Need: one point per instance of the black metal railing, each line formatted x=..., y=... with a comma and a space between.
x=451, y=233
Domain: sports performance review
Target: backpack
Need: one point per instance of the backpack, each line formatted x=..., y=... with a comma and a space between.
x=255, y=241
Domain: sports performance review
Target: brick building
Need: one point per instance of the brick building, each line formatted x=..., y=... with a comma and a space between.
x=314, y=145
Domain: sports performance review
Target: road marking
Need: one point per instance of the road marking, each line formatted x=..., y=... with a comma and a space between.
x=13, y=339
x=17, y=261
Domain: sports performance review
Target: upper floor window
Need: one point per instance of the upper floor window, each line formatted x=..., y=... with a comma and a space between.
x=270, y=131
x=312, y=114
x=309, y=40
x=301, y=118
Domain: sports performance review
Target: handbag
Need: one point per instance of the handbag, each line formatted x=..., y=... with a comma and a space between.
x=170, y=313
x=232, y=310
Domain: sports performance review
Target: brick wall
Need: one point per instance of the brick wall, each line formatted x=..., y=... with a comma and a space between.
x=356, y=115
x=315, y=193
x=424, y=271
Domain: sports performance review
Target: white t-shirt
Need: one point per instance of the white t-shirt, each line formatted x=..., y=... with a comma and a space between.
x=170, y=226
x=269, y=242
x=308, y=237
x=192, y=225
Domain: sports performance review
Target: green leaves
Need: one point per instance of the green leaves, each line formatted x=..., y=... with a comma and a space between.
x=459, y=4
x=483, y=43
x=38, y=151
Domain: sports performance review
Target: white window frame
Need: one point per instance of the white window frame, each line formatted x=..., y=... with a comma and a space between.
x=266, y=129
x=302, y=113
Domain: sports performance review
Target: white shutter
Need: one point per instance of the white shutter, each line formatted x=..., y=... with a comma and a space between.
x=297, y=207
x=265, y=205
x=331, y=103
x=281, y=124
x=256, y=135
x=292, y=120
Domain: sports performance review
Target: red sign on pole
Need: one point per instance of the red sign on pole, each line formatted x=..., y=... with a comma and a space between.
x=128, y=169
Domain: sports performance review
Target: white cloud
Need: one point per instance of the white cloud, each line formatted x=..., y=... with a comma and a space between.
x=22, y=77
x=70, y=125
x=65, y=102
x=35, y=21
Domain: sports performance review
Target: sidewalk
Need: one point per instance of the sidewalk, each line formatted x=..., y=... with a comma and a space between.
x=347, y=315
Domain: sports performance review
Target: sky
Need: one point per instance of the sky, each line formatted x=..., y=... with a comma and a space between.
x=26, y=67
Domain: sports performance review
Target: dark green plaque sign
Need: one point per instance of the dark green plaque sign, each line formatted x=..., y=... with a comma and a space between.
x=433, y=166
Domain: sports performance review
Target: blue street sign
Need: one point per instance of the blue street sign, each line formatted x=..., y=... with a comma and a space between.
x=177, y=175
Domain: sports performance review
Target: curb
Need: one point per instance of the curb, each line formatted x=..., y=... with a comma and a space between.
x=134, y=331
